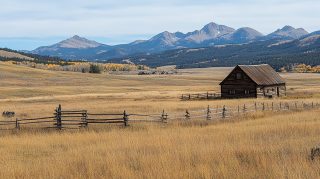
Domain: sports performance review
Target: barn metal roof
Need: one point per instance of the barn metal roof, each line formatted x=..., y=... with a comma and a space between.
x=262, y=74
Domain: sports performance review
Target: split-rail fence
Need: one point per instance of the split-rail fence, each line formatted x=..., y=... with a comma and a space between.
x=78, y=119
x=199, y=96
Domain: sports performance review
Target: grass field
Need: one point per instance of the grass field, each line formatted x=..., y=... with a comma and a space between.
x=263, y=145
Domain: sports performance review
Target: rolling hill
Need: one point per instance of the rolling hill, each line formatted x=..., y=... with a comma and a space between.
x=13, y=55
x=6, y=53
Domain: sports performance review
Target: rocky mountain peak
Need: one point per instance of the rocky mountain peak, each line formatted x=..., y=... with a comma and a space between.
x=242, y=35
x=288, y=32
x=78, y=42
x=287, y=28
x=209, y=32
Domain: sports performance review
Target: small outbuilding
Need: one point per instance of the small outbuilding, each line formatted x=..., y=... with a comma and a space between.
x=253, y=81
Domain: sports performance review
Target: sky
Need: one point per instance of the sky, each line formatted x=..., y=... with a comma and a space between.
x=28, y=24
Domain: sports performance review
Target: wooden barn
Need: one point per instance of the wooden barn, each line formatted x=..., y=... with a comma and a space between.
x=253, y=81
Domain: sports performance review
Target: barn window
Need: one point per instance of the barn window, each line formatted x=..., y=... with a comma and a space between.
x=239, y=76
x=246, y=91
x=232, y=91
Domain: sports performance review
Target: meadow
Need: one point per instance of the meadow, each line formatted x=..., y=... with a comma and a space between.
x=262, y=145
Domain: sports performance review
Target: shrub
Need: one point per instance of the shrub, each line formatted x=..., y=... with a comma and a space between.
x=94, y=68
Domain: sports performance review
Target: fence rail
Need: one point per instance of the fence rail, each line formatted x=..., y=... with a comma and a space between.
x=200, y=96
x=68, y=120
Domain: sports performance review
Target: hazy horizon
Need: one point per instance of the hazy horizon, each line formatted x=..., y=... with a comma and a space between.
x=28, y=25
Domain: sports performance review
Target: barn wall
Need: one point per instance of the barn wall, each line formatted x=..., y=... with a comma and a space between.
x=239, y=91
x=233, y=87
x=232, y=79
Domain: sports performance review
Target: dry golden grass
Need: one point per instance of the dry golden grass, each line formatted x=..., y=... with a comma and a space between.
x=267, y=147
x=259, y=146
x=26, y=90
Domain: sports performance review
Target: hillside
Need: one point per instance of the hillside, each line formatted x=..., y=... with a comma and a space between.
x=12, y=55
x=275, y=52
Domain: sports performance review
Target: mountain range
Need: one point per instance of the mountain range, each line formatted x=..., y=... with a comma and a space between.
x=276, y=52
x=211, y=35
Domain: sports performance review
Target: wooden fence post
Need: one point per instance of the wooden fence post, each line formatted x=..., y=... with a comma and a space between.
x=17, y=124
x=224, y=112
x=125, y=119
x=164, y=117
x=189, y=96
x=238, y=109
x=207, y=95
x=255, y=106
x=187, y=115
x=208, y=113
x=272, y=106
x=58, y=118
x=263, y=107
x=244, y=108
x=84, y=119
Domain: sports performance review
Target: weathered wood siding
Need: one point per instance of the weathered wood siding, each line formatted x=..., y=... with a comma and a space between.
x=238, y=85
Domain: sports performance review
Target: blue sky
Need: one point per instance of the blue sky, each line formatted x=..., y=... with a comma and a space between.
x=27, y=24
